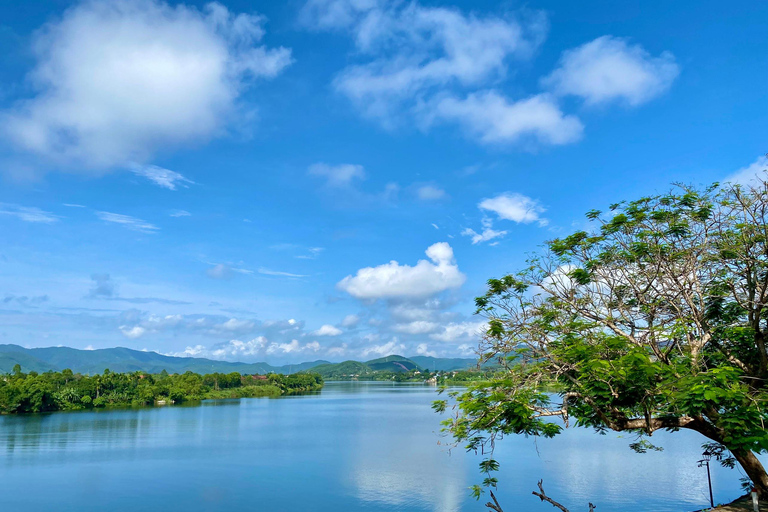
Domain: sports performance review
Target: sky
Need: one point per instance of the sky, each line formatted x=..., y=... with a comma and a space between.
x=338, y=179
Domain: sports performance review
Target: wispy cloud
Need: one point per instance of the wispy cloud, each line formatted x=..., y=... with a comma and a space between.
x=129, y=222
x=28, y=213
x=269, y=272
x=180, y=213
x=342, y=175
x=161, y=177
x=488, y=233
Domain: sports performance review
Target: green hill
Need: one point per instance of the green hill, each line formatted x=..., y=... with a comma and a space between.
x=393, y=364
x=342, y=370
x=127, y=360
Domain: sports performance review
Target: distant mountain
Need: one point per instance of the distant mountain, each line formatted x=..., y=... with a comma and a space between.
x=121, y=360
x=127, y=360
x=393, y=364
x=443, y=364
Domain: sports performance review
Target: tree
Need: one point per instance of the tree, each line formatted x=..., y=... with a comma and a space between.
x=657, y=319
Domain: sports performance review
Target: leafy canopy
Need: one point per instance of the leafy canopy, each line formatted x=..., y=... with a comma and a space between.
x=655, y=319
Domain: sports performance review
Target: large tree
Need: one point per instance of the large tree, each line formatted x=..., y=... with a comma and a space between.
x=654, y=319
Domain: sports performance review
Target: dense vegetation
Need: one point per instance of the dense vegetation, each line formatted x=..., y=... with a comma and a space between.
x=655, y=320
x=65, y=390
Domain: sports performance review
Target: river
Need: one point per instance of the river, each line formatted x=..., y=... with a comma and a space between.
x=354, y=446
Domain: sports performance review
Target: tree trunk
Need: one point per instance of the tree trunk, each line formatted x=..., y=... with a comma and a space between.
x=754, y=470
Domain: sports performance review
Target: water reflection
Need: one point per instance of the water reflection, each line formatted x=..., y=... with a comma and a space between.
x=355, y=446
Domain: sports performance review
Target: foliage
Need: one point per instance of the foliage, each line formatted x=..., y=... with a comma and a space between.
x=61, y=391
x=654, y=320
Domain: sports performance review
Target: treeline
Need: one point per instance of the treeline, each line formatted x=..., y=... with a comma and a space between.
x=66, y=391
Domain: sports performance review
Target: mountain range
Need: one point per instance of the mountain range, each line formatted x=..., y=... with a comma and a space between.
x=122, y=359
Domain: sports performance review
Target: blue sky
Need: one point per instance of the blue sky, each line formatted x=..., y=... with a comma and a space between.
x=337, y=179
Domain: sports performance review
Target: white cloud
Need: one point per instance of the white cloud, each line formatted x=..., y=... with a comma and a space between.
x=350, y=321
x=338, y=351
x=423, y=350
x=161, y=177
x=492, y=118
x=488, y=233
x=393, y=280
x=258, y=347
x=28, y=213
x=327, y=330
x=750, y=174
x=386, y=349
x=180, y=213
x=514, y=207
x=415, y=50
x=196, y=351
x=132, y=332
x=461, y=331
x=89, y=347
x=235, y=325
x=342, y=175
x=128, y=221
x=118, y=80
x=278, y=273
x=609, y=69
x=430, y=193
x=416, y=59
x=415, y=327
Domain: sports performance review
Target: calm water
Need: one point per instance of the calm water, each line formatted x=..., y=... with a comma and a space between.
x=355, y=446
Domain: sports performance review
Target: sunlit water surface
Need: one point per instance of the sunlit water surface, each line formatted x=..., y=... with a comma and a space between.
x=354, y=446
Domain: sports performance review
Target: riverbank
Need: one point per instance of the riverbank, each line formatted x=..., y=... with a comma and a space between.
x=743, y=504
x=67, y=391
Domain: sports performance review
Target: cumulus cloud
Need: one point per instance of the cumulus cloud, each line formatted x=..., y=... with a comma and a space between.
x=422, y=349
x=392, y=280
x=412, y=51
x=342, y=175
x=386, y=349
x=327, y=330
x=127, y=221
x=132, y=332
x=422, y=61
x=161, y=177
x=259, y=347
x=118, y=80
x=493, y=118
x=415, y=327
x=610, y=69
x=460, y=331
x=28, y=213
x=514, y=207
x=750, y=174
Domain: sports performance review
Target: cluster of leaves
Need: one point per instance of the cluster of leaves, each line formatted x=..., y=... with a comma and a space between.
x=655, y=320
x=56, y=391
